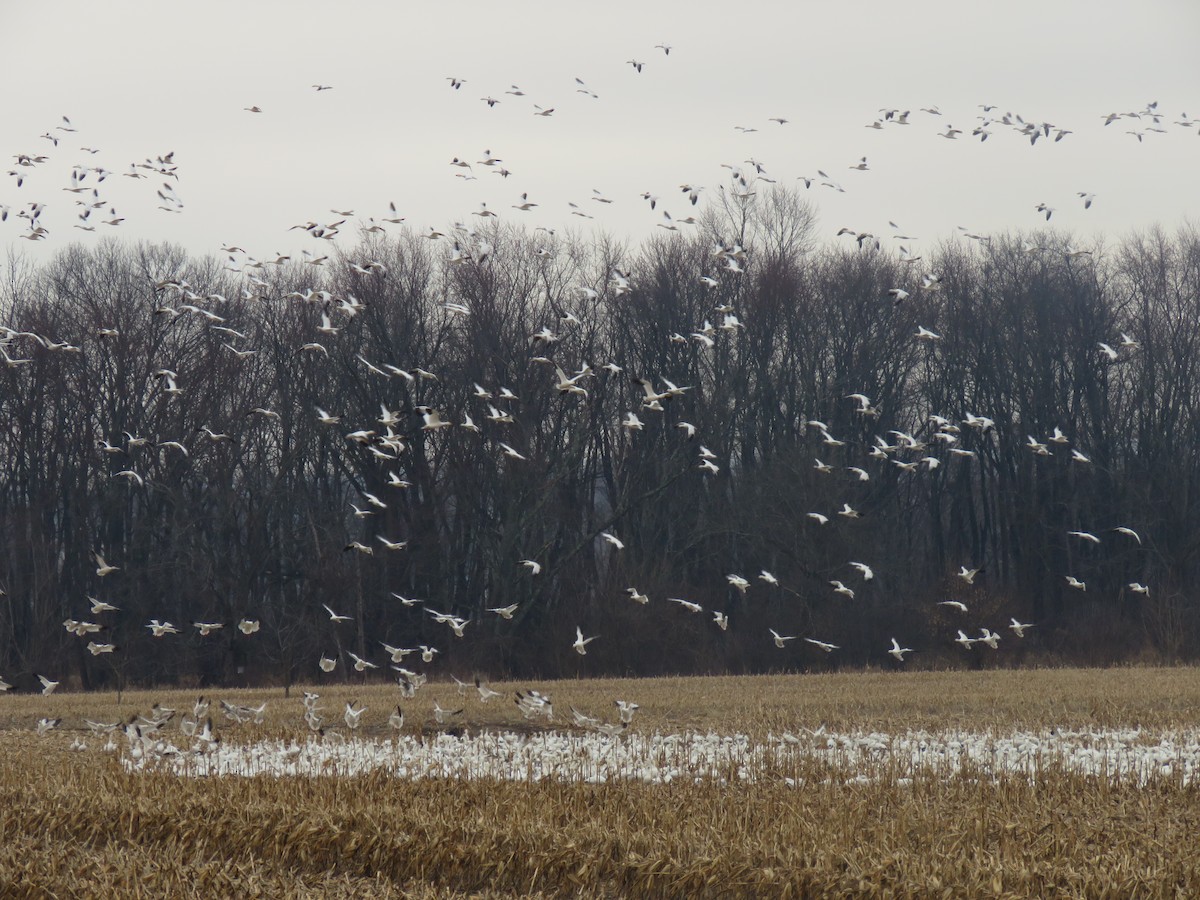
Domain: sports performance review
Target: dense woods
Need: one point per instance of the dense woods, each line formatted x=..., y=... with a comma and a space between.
x=179, y=435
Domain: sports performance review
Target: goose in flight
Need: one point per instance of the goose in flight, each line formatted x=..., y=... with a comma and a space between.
x=766, y=576
x=963, y=641
x=957, y=604
x=738, y=582
x=396, y=719
x=48, y=686
x=613, y=539
x=360, y=664
x=780, y=639
x=1076, y=583
x=817, y=517
x=580, y=645
x=839, y=588
x=1129, y=532
x=1138, y=588
x=898, y=651
x=1085, y=536
x=249, y=626
x=504, y=612
x=327, y=664
x=686, y=604
x=534, y=568
x=637, y=597
x=1018, y=628
x=158, y=629
x=353, y=714
x=443, y=715
x=866, y=571
x=485, y=692
x=207, y=628
x=721, y=620
x=990, y=638
x=99, y=606
x=103, y=568
x=827, y=647
x=968, y=575
x=335, y=617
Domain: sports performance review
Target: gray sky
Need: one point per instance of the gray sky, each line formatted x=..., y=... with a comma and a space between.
x=138, y=79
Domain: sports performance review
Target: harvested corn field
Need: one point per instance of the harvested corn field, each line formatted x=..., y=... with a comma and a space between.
x=1063, y=782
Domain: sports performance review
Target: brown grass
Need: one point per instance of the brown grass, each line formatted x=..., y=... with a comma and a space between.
x=76, y=824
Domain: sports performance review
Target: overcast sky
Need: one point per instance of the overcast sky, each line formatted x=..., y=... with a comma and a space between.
x=139, y=79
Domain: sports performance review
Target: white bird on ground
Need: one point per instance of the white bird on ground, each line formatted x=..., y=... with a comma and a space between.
x=396, y=719
x=580, y=645
x=898, y=651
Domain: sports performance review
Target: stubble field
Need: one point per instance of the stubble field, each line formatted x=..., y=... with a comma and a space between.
x=997, y=783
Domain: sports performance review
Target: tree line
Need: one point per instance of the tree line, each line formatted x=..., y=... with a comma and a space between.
x=247, y=440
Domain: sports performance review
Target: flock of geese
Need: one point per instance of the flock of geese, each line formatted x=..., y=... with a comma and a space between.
x=951, y=439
